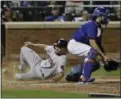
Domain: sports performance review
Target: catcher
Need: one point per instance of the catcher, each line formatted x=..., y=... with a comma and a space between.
x=87, y=42
x=51, y=68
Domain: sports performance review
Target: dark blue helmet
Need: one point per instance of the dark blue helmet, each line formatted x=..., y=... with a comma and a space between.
x=61, y=43
x=101, y=11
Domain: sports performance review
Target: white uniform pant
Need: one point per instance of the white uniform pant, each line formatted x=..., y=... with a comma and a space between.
x=78, y=49
x=31, y=58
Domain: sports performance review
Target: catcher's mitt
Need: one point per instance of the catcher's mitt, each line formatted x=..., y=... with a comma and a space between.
x=111, y=65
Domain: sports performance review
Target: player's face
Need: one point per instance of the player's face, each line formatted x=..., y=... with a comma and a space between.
x=100, y=19
x=63, y=50
x=57, y=50
x=60, y=50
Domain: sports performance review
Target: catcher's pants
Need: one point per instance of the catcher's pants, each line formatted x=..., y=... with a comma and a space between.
x=78, y=49
x=81, y=49
x=29, y=57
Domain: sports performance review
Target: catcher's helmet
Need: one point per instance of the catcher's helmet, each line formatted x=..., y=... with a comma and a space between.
x=101, y=11
x=61, y=43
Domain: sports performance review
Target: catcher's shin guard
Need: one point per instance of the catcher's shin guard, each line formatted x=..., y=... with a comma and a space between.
x=87, y=71
x=90, y=64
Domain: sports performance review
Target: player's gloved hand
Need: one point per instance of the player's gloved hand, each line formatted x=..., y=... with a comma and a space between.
x=112, y=65
x=28, y=43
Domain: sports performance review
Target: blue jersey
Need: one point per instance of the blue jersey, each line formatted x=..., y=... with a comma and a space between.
x=90, y=30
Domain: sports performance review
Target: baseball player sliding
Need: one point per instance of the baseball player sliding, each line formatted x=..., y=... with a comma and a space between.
x=51, y=68
x=86, y=41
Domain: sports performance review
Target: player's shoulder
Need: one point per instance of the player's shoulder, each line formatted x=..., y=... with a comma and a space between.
x=91, y=23
x=49, y=47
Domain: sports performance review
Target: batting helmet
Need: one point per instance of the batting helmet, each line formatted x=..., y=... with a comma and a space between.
x=61, y=43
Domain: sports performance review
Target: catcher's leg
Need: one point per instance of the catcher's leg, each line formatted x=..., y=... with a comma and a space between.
x=90, y=65
x=80, y=49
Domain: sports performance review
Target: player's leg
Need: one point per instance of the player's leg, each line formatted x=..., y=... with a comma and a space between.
x=23, y=63
x=34, y=73
x=27, y=76
x=81, y=49
x=30, y=57
x=90, y=65
x=78, y=49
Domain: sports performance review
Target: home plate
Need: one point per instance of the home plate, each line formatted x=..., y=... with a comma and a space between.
x=103, y=95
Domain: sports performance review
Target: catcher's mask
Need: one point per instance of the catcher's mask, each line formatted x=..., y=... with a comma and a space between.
x=101, y=11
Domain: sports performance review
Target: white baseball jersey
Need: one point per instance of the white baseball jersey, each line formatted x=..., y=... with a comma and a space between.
x=42, y=68
x=54, y=64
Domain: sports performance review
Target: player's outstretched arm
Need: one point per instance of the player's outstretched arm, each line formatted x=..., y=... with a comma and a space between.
x=36, y=45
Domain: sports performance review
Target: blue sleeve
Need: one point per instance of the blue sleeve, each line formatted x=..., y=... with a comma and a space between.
x=91, y=30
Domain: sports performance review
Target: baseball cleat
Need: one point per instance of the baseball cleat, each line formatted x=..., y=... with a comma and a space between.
x=18, y=68
x=91, y=80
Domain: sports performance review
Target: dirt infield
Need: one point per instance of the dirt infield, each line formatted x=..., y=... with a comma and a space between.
x=102, y=84
x=111, y=85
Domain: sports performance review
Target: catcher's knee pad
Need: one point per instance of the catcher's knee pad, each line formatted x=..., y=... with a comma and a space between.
x=92, y=54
